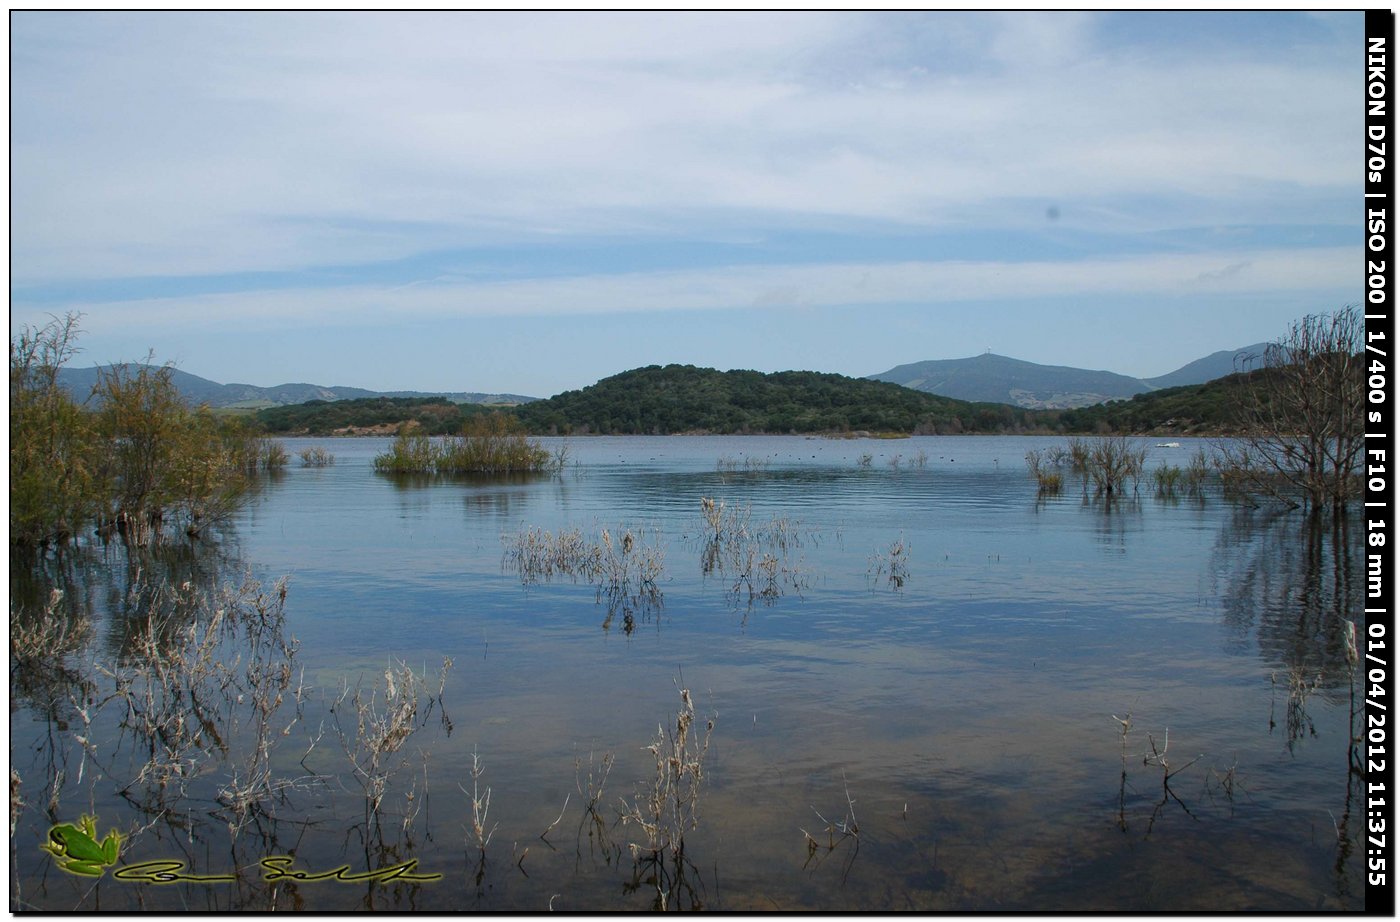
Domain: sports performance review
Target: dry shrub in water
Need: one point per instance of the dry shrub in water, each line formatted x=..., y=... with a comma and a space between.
x=1045, y=468
x=206, y=674
x=847, y=826
x=890, y=566
x=753, y=559
x=47, y=635
x=316, y=456
x=384, y=720
x=667, y=807
x=627, y=570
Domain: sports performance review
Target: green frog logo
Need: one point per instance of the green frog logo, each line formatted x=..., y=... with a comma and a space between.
x=77, y=848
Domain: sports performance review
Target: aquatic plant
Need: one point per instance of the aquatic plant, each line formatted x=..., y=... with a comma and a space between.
x=725, y=522
x=1166, y=477
x=272, y=454
x=46, y=635
x=1113, y=461
x=1197, y=470
x=207, y=673
x=754, y=559
x=492, y=443
x=890, y=565
x=410, y=453
x=1045, y=467
x=627, y=570
x=316, y=456
x=664, y=809
x=846, y=826
x=481, y=806
x=384, y=719
x=727, y=464
x=590, y=787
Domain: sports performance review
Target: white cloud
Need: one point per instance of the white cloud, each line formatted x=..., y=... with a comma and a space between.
x=204, y=144
x=763, y=287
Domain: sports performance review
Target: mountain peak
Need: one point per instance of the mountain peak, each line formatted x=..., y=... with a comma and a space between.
x=993, y=378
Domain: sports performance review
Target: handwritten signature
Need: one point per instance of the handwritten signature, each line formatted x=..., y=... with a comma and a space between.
x=276, y=867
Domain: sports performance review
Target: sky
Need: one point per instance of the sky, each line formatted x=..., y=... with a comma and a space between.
x=528, y=202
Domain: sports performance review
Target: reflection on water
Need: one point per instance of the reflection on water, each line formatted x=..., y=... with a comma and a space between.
x=1293, y=583
x=1061, y=702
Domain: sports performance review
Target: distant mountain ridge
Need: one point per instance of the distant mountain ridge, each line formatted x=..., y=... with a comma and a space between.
x=986, y=378
x=999, y=379
x=197, y=390
x=1215, y=365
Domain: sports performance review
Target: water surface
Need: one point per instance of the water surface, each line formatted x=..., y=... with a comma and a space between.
x=967, y=717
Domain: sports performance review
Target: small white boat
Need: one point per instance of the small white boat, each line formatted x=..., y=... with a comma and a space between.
x=1168, y=444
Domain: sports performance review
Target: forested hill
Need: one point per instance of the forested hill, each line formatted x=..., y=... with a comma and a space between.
x=683, y=398
x=1195, y=409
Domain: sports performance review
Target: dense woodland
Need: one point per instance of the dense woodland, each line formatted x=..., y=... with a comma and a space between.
x=1194, y=409
x=434, y=415
x=658, y=400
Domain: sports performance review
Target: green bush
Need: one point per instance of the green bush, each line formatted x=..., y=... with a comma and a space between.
x=139, y=460
x=54, y=482
x=490, y=444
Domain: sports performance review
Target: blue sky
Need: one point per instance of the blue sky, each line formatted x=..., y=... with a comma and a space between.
x=527, y=203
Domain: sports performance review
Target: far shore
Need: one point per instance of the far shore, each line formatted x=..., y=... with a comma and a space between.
x=390, y=431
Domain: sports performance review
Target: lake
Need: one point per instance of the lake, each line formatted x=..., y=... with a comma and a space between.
x=931, y=688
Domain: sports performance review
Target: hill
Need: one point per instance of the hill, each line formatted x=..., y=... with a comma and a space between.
x=1192, y=409
x=1215, y=365
x=999, y=379
x=197, y=390
x=683, y=398
x=368, y=415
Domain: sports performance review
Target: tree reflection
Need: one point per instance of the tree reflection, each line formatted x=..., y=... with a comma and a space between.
x=1293, y=584
x=1291, y=581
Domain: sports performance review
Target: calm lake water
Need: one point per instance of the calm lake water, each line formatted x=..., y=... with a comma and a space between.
x=966, y=717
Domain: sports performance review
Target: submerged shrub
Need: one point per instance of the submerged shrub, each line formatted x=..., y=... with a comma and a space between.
x=53, y=445
x=490, y=444
x=1167, y=478
x=139, y=459
x=316, y=456
x=626, y=571
x=272, y=455
x=411, y=453
x=1044, y=467
x=1109, y=463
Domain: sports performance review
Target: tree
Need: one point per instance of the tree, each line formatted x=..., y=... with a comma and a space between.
x=141, y=417
x=52, y=443
x=1301, y=414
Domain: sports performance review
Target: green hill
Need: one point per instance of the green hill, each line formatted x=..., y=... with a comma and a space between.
x=1202, y=409
x=683, y=398
x=658, y=400
x=437, y=415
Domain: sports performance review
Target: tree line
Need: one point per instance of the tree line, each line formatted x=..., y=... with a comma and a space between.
x=137, y=460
